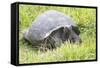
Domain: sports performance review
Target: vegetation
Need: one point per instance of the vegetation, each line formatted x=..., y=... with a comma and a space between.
x=85, y=18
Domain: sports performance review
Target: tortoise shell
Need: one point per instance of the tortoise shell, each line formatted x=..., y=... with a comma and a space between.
x=47, y=24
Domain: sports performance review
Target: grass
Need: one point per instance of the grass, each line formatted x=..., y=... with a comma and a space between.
x=85, y=18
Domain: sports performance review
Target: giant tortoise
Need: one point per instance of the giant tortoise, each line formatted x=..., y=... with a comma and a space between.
x=50, y=29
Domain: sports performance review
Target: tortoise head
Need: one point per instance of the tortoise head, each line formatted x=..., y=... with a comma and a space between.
x=72, y=34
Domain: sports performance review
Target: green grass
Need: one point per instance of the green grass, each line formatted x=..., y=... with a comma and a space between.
x=85, y=19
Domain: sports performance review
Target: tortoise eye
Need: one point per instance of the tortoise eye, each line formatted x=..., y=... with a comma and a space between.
x=76, y=30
